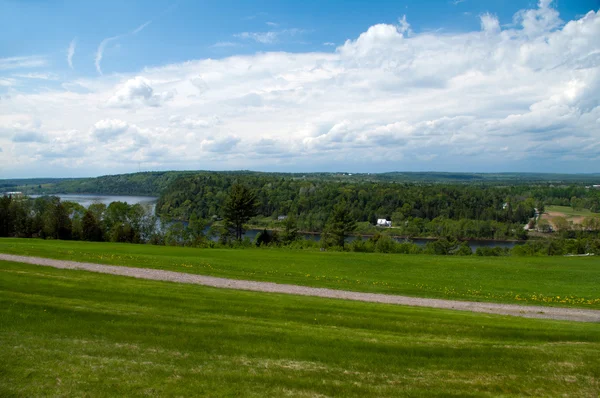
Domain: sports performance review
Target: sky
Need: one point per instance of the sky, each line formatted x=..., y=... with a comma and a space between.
x=91, y=88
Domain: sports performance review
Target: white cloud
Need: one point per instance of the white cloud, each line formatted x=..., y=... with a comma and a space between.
x=28, y=136
x=141, y=27
x=221, y=144
x=105, y=42
x=269, y=37
x=33, y=61
x=71, y=52
x=260, y=37
x=37, y=75
x=100, y=52
x=7, y=82
x=221, y=44
x=192, y=123
x=138, y=92
x=523, y=97
x=105, y=130
x=489, y=23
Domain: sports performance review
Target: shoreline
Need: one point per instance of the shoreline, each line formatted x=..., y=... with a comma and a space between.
x=408, y=238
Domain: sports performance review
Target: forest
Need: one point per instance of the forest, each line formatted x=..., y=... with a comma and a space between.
x=214, y=210
x=154, y=183
x=463, y=211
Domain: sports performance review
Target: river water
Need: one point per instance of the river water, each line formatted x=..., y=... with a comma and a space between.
x=86, y=200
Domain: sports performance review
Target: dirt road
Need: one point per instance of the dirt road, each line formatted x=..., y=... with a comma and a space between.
x=570, y=314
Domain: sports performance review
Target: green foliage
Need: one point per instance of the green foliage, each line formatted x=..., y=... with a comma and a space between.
x=91, y=230
x=239, y=207
x=267, y=238
x=339, y=225
x=290, y=229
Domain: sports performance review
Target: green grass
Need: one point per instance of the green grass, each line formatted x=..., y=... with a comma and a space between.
x=570, y=212
x=558, y=281
x=77, y=333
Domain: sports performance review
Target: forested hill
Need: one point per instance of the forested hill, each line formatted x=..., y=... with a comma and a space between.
x=154, y=183
x=143, y=184
x=311, y=201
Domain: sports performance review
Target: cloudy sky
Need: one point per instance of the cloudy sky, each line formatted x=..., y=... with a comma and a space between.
x=93, y=88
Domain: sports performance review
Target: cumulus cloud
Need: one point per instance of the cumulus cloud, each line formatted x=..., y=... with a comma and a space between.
x=193, y=123
x=105, y=130
x=138, y=92
x=220, y=144
x=489, y=23
x=523, y=97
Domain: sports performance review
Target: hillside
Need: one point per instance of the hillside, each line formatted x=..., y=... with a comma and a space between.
x=152, y=183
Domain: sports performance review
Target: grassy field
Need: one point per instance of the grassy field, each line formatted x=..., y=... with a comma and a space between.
x=568, y=212
x=76, y=333
x=558, y=281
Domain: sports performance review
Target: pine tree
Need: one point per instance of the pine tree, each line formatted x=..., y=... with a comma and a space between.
x=239, y=207
x=339, y=225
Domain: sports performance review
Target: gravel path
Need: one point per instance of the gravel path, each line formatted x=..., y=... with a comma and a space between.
x=570, y=314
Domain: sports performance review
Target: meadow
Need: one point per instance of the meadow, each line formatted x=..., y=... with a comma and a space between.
x=556, y=281
x=77, y=333
x=568, y=212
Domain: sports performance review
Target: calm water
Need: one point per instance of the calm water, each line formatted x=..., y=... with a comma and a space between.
x=86, y=200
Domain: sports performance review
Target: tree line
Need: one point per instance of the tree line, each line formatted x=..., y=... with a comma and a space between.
x=50, y=218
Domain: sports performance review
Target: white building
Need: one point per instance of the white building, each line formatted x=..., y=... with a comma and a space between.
x=382, y=222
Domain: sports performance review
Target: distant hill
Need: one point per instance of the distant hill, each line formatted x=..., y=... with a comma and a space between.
x=153, y=183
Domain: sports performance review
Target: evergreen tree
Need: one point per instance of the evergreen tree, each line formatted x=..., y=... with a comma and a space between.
x=90, y=227
x=339, y=225
x=238, y=208
x=290, y=229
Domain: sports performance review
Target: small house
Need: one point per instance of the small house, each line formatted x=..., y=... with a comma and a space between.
x=281, y=218
x=382, y=222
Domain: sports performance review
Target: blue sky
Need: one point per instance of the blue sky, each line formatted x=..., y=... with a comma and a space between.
x=468, y=85
x=188, y=30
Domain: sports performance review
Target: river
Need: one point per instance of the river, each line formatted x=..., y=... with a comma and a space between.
x=87, y=200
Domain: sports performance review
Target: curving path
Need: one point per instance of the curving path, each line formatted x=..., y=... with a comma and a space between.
x=570, y=314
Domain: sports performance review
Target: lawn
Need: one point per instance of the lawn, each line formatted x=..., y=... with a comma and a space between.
x=569, y=212
x=77, y=333
x=558, y=281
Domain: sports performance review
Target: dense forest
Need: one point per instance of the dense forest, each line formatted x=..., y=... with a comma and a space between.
x=457, y=210
x=49, y=218
x=472, y=206
x=154, y=183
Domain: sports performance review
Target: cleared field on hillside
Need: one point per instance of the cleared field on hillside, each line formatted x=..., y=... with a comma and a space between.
x=558, y=281
x=576, y=216
x=76, y=333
